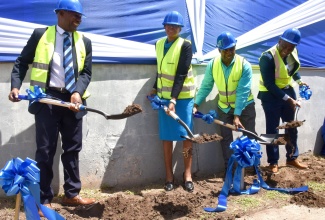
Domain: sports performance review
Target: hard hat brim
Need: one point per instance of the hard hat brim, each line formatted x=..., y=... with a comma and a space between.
x=289, y=41
x=60, y=9
x=227, y=47
x=173, y=23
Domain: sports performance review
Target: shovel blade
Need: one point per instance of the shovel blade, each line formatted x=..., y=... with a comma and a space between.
x=119, y=116
x=203, y=138
x=273, y=139
x=189, y=138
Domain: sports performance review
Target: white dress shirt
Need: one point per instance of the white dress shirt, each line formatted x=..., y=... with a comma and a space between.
x=57, y=69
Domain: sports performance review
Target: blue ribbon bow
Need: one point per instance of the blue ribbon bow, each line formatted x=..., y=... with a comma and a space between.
x=33, y=96
x=20, y=176
x=156, y=102
x=305, y=92
x=246, y=153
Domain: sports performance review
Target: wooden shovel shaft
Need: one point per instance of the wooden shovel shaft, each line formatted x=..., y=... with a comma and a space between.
x=56, y=102
x=232, y=127
x=81, y=107
x=17, y=208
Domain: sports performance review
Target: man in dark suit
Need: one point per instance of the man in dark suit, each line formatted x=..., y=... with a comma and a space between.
x=45, y=50
x=278, y=66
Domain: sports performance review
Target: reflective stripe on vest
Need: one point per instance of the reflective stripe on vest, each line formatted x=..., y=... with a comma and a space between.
x=282, y=78
x=167, y=67
x=43, y=56
x=227, y=91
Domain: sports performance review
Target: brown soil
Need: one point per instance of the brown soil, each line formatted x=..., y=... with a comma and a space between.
x=132, y=109
x=205, y=138
x=292, y=124
x=152, y=202
x=281, y=140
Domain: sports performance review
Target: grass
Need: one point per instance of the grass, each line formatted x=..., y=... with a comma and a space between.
x=247, y=202
x=129, y=192
x=317, y=187
x=272, y=195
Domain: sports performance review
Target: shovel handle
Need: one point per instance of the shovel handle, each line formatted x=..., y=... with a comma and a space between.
x=17, y=207
x=174, y=116
x=232, y=127
x=53, y=102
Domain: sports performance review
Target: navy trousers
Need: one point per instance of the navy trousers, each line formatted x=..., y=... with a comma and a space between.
x=247, y=119
x=274, y=111
x=51, y=121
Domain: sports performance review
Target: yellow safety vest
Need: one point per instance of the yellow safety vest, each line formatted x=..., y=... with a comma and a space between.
x=282, y=78
x=43, y=56
x=227, y=91
x=167, y=67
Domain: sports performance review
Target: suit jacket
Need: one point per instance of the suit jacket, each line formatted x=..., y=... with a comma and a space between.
x=27, y=57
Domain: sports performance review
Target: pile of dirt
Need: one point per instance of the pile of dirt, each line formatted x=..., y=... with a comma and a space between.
x=152, y=202
x=205, y=138
x=132, y=109
x=292, y=124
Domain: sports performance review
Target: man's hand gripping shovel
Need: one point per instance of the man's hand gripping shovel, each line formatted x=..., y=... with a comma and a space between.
x=305, y=93
x=157, y=104
x=268, y=139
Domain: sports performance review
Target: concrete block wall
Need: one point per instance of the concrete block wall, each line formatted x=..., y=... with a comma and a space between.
x=128, y=152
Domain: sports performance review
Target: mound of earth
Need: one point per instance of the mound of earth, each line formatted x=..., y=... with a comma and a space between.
x=152, y=202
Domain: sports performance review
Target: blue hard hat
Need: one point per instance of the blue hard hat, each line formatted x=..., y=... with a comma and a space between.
x=291, y=35
x=226, y=40
x=69, y=5
x=174, y=18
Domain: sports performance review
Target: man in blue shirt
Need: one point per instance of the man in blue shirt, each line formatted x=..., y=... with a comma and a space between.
x=232, y=75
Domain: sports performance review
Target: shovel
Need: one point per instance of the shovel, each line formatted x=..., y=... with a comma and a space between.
x=188, y=130
x=267, y=139
x=295, y=123
x=129, y=111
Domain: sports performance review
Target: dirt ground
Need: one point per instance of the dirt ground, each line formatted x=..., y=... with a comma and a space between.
x=153, y=202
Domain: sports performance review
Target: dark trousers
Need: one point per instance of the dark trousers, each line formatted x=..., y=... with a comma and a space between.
x=50, y=121
x=274, y=111
x=247, y=119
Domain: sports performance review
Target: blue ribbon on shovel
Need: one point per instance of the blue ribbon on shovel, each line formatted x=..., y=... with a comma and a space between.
x=209, y=117
x=305, y=92
x=20, y=176
x=246, y=154
x=156, y=102
x=34, y=96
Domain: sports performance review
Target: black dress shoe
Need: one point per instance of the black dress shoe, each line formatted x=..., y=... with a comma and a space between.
x=188, y=185
x=169, y=186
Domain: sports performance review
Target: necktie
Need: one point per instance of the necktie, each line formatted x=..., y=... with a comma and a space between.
x=70, y=84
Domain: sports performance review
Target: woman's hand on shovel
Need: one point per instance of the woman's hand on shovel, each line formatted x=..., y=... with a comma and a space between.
x=171, y=107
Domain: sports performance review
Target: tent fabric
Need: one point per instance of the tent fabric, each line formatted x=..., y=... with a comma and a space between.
x=196, y=13
x=125, y=31
x=308, y=17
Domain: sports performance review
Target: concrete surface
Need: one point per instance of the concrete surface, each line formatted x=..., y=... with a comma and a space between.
x=287, y=213
x=127, y=152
